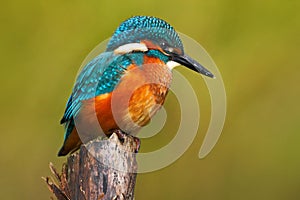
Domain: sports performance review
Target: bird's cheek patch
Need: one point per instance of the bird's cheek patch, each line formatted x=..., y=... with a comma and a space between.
x=127, y=48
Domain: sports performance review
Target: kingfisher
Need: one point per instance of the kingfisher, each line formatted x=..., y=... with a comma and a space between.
x=123, y=87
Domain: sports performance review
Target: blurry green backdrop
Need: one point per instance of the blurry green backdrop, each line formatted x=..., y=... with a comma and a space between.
x=255, y=45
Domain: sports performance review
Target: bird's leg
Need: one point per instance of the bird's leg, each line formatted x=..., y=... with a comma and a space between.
x=138, y=144
x=121, y=135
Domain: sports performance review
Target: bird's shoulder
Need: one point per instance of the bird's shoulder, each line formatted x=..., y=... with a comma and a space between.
x=99, y=76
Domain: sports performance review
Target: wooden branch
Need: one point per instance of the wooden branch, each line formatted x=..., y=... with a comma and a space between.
x=102, y=169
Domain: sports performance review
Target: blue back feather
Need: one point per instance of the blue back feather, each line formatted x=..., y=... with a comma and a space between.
x=99, y=76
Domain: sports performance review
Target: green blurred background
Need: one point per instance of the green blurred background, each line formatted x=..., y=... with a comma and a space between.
x=255, y=45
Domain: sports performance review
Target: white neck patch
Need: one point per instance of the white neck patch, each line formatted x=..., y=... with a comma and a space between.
x=127, y=48
x=171, y=64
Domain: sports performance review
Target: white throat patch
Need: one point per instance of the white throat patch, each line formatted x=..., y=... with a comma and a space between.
x=171, y=64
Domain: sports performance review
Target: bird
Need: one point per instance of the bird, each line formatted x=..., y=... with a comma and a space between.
x=123, y=87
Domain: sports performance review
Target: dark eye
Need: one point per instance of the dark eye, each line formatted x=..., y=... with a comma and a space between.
x=163, y=45
x=166, y=47
x=169, y=49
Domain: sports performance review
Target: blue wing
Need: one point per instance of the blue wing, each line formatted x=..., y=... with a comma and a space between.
x=86, y=84
x=99, y=76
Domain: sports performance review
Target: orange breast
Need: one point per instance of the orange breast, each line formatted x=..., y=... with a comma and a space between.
x=134, y=101
x=141, y=92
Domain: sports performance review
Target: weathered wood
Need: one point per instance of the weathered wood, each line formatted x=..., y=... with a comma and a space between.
x=102, y=169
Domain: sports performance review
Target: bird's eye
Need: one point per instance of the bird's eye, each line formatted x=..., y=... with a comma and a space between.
x=166, y=47
x=163, y=45
x=170, y=49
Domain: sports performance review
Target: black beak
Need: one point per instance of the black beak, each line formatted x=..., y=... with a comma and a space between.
x=192, y=64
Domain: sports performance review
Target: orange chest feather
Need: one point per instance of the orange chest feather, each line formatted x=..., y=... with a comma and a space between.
x=140, y=93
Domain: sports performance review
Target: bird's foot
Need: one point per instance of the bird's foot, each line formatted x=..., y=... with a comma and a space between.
x=121, y=135
x=137, y=143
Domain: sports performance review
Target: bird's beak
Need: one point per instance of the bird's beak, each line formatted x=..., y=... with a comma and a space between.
x=192, y=64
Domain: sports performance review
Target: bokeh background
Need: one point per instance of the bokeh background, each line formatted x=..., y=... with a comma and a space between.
x=255, y=45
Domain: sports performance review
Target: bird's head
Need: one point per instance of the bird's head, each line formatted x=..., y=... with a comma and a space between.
x=144, y=33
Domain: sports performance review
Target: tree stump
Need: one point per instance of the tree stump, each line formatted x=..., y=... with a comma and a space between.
x=102, y=169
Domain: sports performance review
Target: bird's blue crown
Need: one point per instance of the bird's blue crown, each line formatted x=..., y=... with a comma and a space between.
x=140, y=28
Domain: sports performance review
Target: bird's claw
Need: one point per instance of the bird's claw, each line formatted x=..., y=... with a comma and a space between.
x=121, y=135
